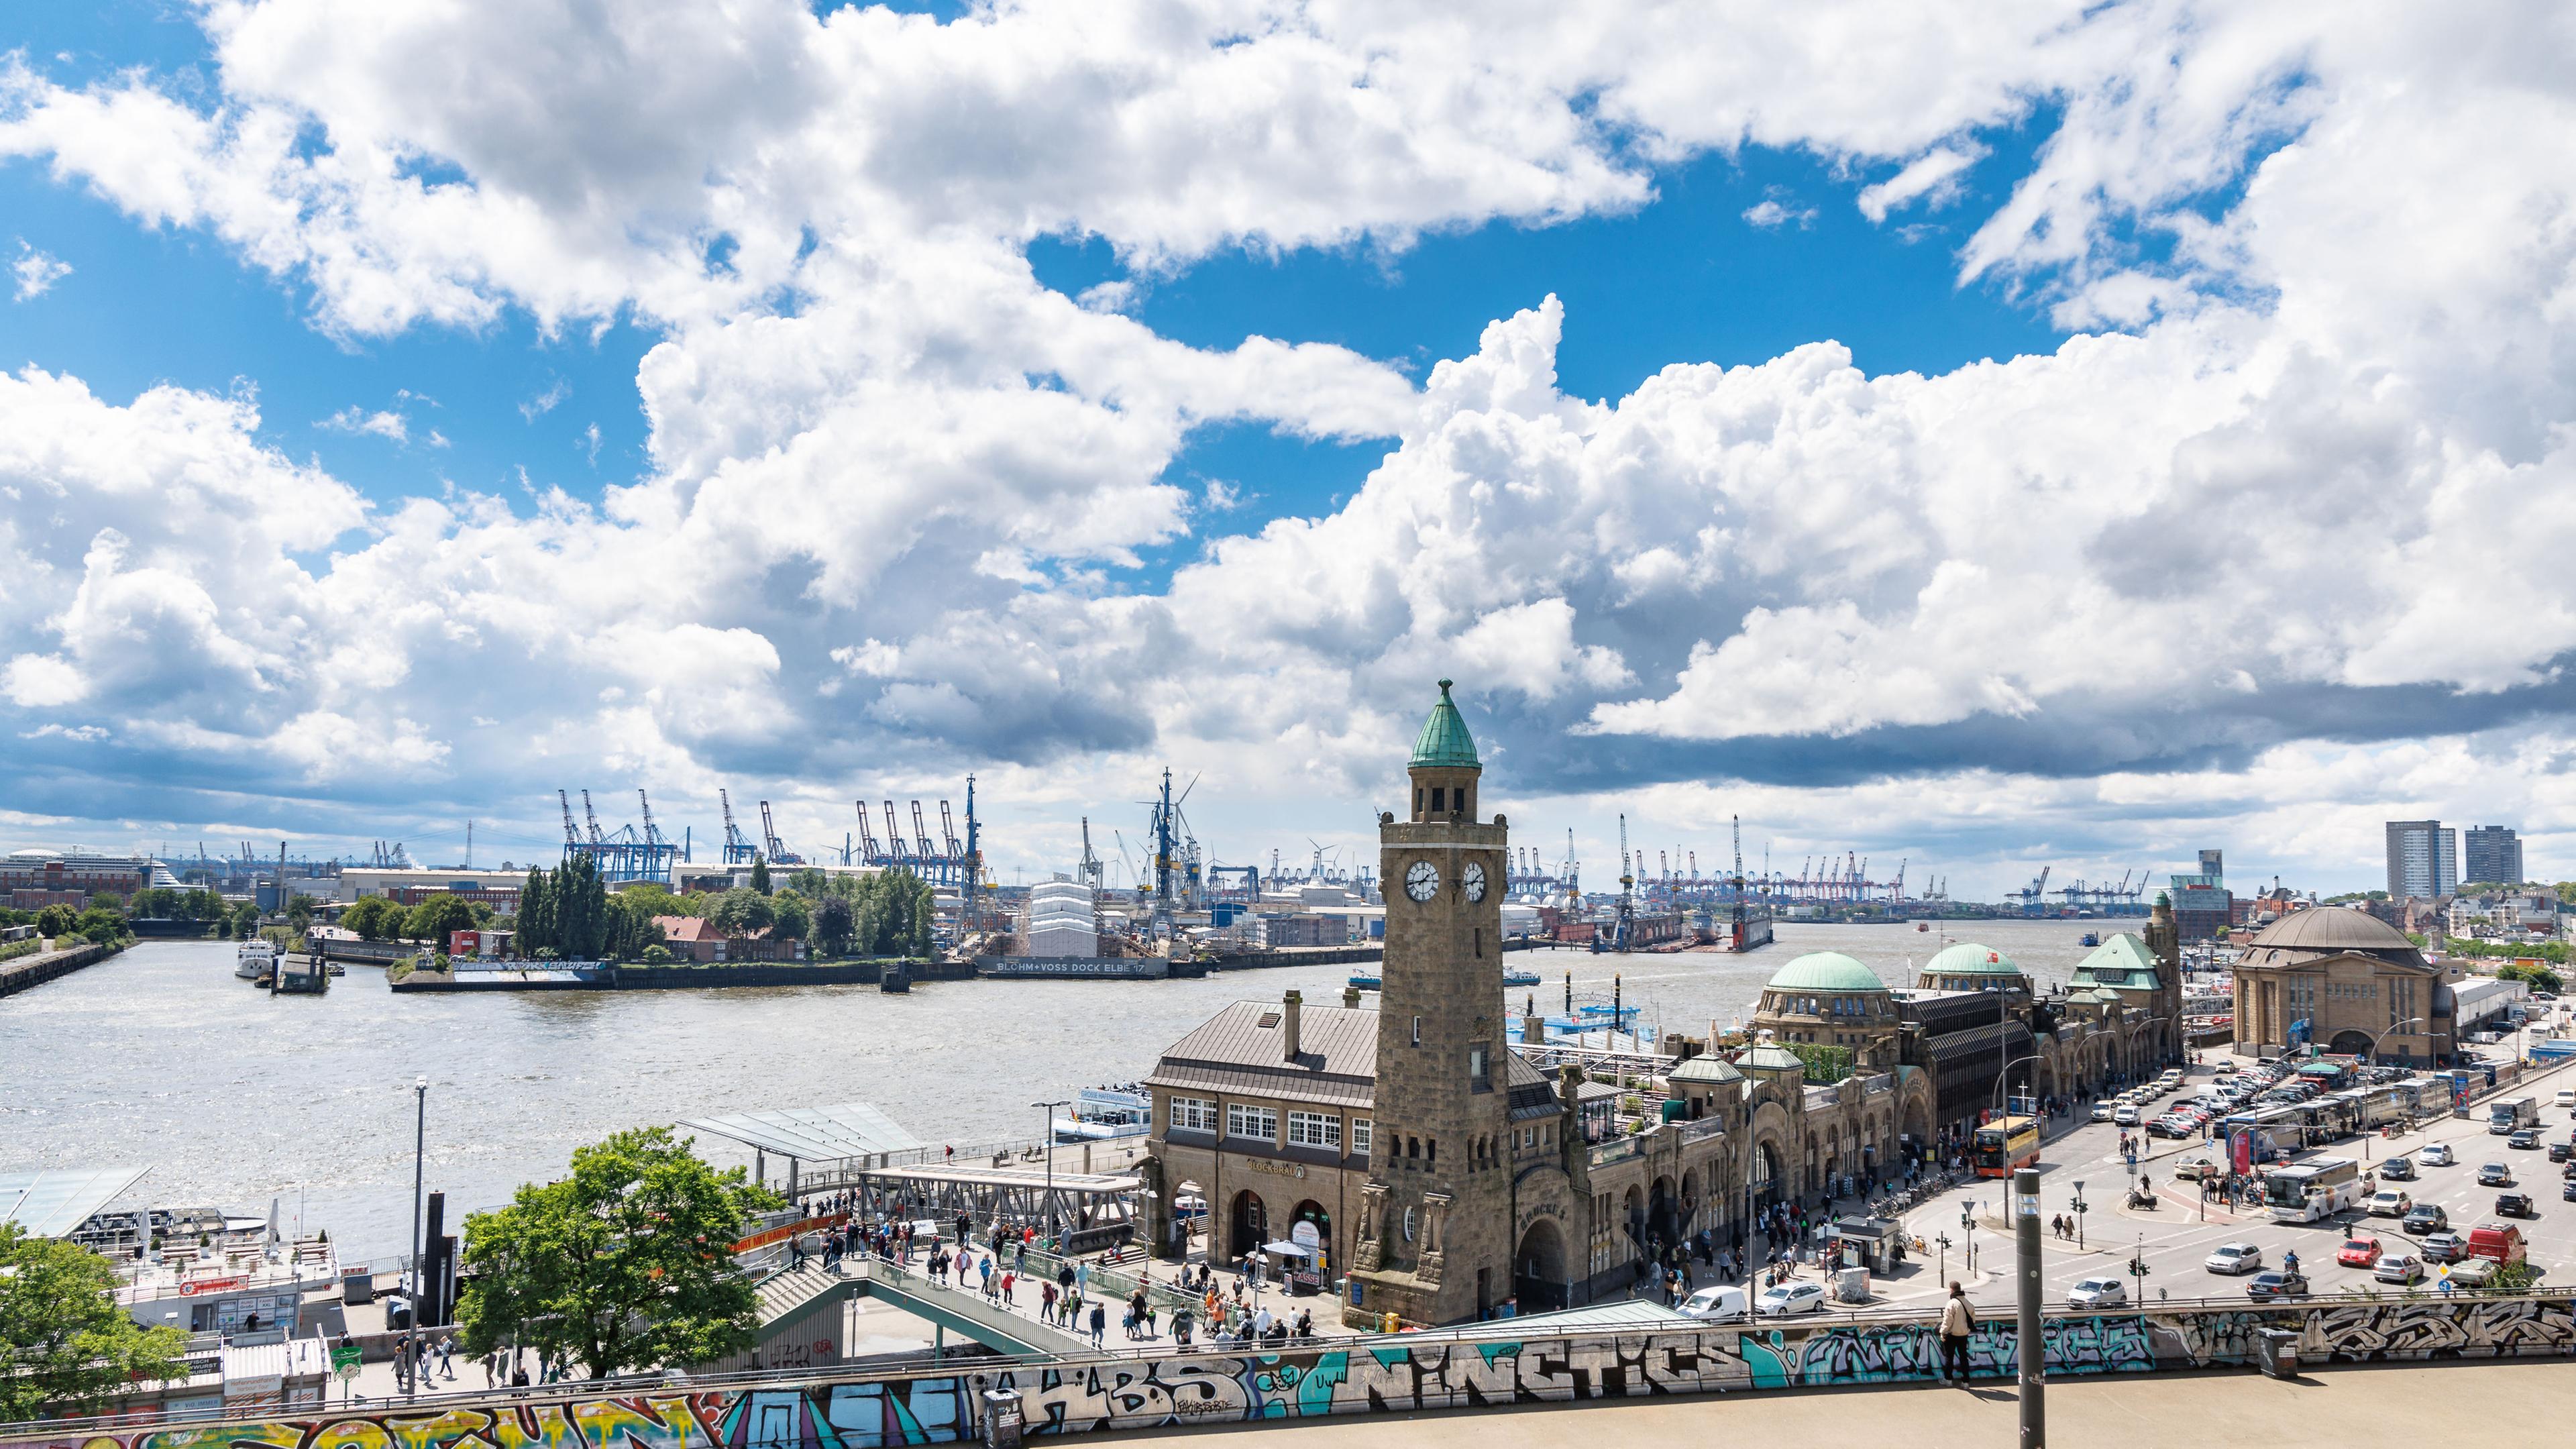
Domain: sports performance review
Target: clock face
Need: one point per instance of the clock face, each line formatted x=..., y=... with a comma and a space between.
x=1473, y=878
x=1422, y=881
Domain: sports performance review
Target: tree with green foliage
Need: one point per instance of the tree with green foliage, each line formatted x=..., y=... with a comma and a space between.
x=245, y=920
x=760, y=874
x=374, y=918
x=809, y=882
x=53, y=921
x=438, y=913
x=655, y=899
x=66, y=1348
x=895, y=911
x=792, y=917
x=834, y=924
x=741, y=912
x=624, y=1265
x=1825, y=1064
x=536, y=918
x=2539, y=978
x=631, y=931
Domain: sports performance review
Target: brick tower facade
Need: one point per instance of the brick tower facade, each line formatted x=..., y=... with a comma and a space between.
x=1436, y=1214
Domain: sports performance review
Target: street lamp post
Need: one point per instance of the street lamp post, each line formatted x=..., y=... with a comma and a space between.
x=1968, y=1234
x=419, y=1146
x=1046, y=1144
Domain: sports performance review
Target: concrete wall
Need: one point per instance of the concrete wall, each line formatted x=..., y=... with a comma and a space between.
x=1402, y=1375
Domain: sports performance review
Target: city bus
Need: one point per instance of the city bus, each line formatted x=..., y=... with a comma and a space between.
x=2309, y=1191
x=2004, y=1144
x=2278, y=1131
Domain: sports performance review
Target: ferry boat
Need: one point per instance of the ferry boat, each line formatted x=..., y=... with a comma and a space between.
x=255, y=959
x=1101, y=1114
x=1512, y=976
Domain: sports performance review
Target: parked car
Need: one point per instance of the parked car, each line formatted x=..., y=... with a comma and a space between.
x=1719, y=1303
x=2397, y=1169
x=2390, y=1203
x=2098, y=1293
x=2101, y=1111
x=2426, y=1217
x=2494, y=1174
x=2196, y=1169
x=2359, y=1253
x=2399, y=1268
x=2234, y=1258
x=2277, y=1284
x=2434, y=1154
x=1789, y=1298
x=2515, y=1205
x=2445, y=1247
x=2126, y=1114
x=2471, y=1273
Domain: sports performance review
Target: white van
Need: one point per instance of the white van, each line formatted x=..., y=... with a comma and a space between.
x=2567, y=1096
x=1719, y=1303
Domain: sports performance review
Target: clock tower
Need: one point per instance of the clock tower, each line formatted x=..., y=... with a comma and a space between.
x=1434, y=1242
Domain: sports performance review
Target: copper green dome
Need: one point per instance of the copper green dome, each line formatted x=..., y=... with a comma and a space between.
x=1967, y=958
x=1826, y=971
x=1444, y=742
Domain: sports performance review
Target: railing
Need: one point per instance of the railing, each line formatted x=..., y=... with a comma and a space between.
x=1619, y=1150
x=1700, y=1130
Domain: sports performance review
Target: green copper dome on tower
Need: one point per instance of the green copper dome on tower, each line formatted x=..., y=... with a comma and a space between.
x=1444, y=742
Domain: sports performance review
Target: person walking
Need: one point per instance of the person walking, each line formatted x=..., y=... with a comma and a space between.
x=1957, y=1324
x=1099, y=1323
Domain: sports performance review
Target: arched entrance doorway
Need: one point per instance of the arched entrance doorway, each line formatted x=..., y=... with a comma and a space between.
x=1249, y=1225
x=1762, y=1178
x=1538, y=1268
x=2350, y=1043
x=1312, y=1220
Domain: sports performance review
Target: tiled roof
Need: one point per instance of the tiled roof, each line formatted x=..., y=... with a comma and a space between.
x=1234, y=1052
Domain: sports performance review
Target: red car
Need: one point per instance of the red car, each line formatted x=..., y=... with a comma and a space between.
x=2359, y=1253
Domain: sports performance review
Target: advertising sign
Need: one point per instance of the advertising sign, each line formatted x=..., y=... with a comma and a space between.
x=2240, y=1151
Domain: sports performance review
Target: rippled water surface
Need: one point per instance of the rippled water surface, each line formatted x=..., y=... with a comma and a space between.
x=161, y=1058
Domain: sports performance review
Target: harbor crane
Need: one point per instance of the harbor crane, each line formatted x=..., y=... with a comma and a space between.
x=1094, y=873
x=738, y=849
x=868, y=848
x=596, y=836
x=572, y=835
x=779, y=854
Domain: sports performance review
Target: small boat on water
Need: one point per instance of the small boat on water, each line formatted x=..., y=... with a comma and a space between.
x=1103, y=1113
x=1923, y=925
x=255, y=959
x=1512, y=976
x=2091, y=938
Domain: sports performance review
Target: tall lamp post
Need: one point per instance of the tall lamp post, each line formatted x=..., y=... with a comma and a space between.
x=419, y=1280
x=1046, y=1144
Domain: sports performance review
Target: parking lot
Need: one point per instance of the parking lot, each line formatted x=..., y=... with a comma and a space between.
x=2178, y=1235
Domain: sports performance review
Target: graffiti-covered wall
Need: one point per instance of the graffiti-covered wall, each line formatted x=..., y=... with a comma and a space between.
x=1380, y=1375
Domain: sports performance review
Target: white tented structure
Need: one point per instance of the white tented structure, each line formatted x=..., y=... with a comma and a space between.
x=1059, y=921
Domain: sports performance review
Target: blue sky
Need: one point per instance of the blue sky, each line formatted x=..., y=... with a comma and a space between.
x=1990, y=615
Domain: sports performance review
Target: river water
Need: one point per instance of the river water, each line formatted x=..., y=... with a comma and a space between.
x=160, y=1058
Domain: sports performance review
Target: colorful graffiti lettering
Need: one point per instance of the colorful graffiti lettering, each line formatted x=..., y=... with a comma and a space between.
x=1382, y=1376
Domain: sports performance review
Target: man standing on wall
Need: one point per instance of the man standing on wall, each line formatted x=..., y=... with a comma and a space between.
x=1956, y=1326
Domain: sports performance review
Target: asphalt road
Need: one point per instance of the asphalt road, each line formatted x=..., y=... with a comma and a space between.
x=2176, y=1237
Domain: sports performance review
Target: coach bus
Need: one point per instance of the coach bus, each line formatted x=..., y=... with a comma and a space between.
x=2278, y=1131
x=2309, y=1191
x=2004, y=1144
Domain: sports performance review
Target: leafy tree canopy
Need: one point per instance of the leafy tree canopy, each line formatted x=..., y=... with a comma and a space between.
x=65, y=1347
x=625, y=1264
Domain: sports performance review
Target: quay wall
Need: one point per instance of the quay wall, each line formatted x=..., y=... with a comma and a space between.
x=558, y=977
x=1489, y=1367
x=44, y=966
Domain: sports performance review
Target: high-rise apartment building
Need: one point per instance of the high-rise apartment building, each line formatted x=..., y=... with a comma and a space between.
x=2491, y=853
x=2423, y=860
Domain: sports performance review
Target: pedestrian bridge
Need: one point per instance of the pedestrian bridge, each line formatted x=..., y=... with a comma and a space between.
x=963, y=1311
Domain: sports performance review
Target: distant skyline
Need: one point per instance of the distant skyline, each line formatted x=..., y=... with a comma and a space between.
x=2068, y=435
